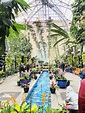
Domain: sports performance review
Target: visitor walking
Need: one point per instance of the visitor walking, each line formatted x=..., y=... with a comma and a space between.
x=62, y=66
x=28, y=67
x=72, y=99
x=81, y=95
x=22, y=68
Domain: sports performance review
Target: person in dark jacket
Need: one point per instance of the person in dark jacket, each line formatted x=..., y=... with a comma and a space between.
x=62, y=66
x=22, y=68
x=28, y=67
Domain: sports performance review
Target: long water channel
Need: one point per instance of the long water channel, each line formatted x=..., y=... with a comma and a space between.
x=41, y=87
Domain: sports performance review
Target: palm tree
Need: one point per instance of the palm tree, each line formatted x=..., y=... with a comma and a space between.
x=57, y=32
x=62, y=35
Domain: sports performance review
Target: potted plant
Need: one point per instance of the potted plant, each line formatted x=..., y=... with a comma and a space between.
x=56, y=71
x=33, y=71
x=18, y=82
x=22, y=80
x=38, y=70
x=27, y=75
x=35, y=76
x=26, y=86
x=53, y=87
x=51, y=75
x=62, y=81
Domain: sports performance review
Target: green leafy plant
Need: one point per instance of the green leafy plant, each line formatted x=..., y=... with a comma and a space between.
x=7, y=19
x=33, y=70
x=60, y=76
x=7, y=108
x=58, y=31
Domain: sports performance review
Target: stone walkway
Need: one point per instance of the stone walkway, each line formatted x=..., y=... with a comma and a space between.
x=9, y=86
x=59, y=97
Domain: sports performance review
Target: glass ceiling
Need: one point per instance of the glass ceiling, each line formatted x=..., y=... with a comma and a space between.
x=43, y=9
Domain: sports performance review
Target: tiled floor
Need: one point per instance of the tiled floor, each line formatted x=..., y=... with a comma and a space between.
x=6, y=95
x=10, y=86
x=59, y=97
x=63, y=95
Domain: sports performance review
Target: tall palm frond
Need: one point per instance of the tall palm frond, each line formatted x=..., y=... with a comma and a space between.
x=58, y=31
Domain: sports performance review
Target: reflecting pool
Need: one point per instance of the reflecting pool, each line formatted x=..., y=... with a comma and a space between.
x=41, y=87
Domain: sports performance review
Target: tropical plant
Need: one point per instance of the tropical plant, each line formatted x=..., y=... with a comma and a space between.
x=58, y=31
x=25, y=75
x=5, y=108
x=53, y=85
x=78, y=23
x=48, y=25
x=33, y=70
x=78, y=27
x=60, y=76
x=19, y=46
x=7, y=19
x=51, y=110
x=25, y=85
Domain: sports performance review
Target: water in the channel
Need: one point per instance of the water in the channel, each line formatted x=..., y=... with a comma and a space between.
x=40, y=88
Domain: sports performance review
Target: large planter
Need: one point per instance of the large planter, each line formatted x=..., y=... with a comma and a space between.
x=52, y=90
x=62, y=83
x=26, y=90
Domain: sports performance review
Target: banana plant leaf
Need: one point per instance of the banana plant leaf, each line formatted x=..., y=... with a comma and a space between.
x=70, y=41
x=54, y=35
x=23, y=4
x=58, y=41
x=59, y=28
x=60, y=33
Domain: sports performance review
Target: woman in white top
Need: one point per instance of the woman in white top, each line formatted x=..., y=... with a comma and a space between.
x=72, y=99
